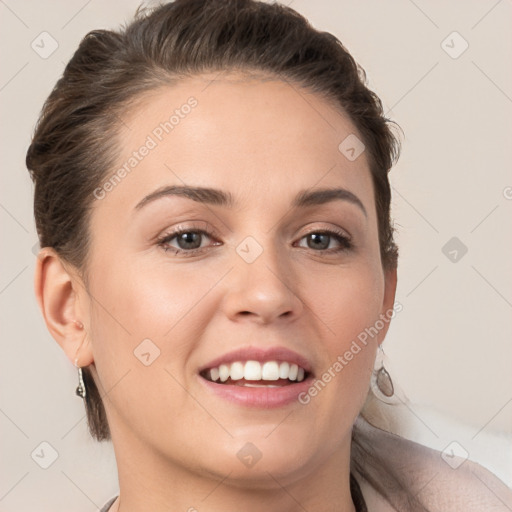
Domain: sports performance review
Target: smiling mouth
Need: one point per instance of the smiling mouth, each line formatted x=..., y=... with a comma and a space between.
x=270, y=374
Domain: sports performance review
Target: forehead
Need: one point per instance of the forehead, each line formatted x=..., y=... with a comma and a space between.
x=237, y=132
x=252, y=108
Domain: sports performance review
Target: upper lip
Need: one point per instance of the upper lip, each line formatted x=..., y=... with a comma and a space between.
x=262, y=355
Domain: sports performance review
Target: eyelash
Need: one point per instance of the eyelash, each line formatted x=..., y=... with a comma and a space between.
x=344, y=241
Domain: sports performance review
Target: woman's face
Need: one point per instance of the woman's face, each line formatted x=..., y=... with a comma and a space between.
x=262, y=271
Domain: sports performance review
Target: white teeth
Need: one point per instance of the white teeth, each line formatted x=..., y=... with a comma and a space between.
x=254, y=370
x=294, y=369
x=237, y=371
x=284, y=370
x=224, y=372
x=214, y=374
x=270, y=371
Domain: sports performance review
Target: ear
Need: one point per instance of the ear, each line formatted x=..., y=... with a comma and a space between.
x=388, y=304
x=58, y=289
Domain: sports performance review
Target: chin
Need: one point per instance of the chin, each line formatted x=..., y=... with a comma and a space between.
x=263, y=461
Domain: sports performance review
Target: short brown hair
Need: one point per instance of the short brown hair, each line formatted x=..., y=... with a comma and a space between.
x=74, y=144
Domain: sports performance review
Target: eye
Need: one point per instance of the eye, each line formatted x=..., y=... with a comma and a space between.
x=326, y=241
x=187, y=241
x=190, y=241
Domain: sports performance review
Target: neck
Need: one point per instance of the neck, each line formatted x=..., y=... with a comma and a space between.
x=149, y=481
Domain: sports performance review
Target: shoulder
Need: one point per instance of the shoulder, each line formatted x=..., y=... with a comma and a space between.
x=416, y=477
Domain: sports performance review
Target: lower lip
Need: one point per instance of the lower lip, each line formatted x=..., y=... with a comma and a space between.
x=264, y=398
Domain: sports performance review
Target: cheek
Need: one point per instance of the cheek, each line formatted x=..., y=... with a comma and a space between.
x=134, y=303
x=345, y=301
x=145, y=324
x=348, y=305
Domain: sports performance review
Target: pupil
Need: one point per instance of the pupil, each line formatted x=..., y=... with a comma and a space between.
x=320, y=241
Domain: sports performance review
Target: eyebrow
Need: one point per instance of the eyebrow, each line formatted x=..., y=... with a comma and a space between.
x=217, y=197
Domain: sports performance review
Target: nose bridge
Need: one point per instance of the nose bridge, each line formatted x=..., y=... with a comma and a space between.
x=261, y=281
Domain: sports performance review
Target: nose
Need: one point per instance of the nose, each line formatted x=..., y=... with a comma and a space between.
x=264, y=290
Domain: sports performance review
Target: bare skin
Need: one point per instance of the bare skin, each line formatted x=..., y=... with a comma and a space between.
x=176, y=443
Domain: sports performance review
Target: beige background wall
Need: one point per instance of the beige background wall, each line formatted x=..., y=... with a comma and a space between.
x=449, y=350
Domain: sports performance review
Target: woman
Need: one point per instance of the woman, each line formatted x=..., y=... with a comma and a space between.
x=212, y=200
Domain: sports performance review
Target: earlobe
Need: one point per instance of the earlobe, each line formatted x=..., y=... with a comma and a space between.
x=57, y=290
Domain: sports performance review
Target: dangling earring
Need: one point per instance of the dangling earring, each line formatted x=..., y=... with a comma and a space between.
x=80, y=389
x=381, y=382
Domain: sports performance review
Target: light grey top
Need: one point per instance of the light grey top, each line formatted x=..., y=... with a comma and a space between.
x=108, y=504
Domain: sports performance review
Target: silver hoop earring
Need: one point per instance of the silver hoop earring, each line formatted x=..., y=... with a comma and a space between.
x=80, y=389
